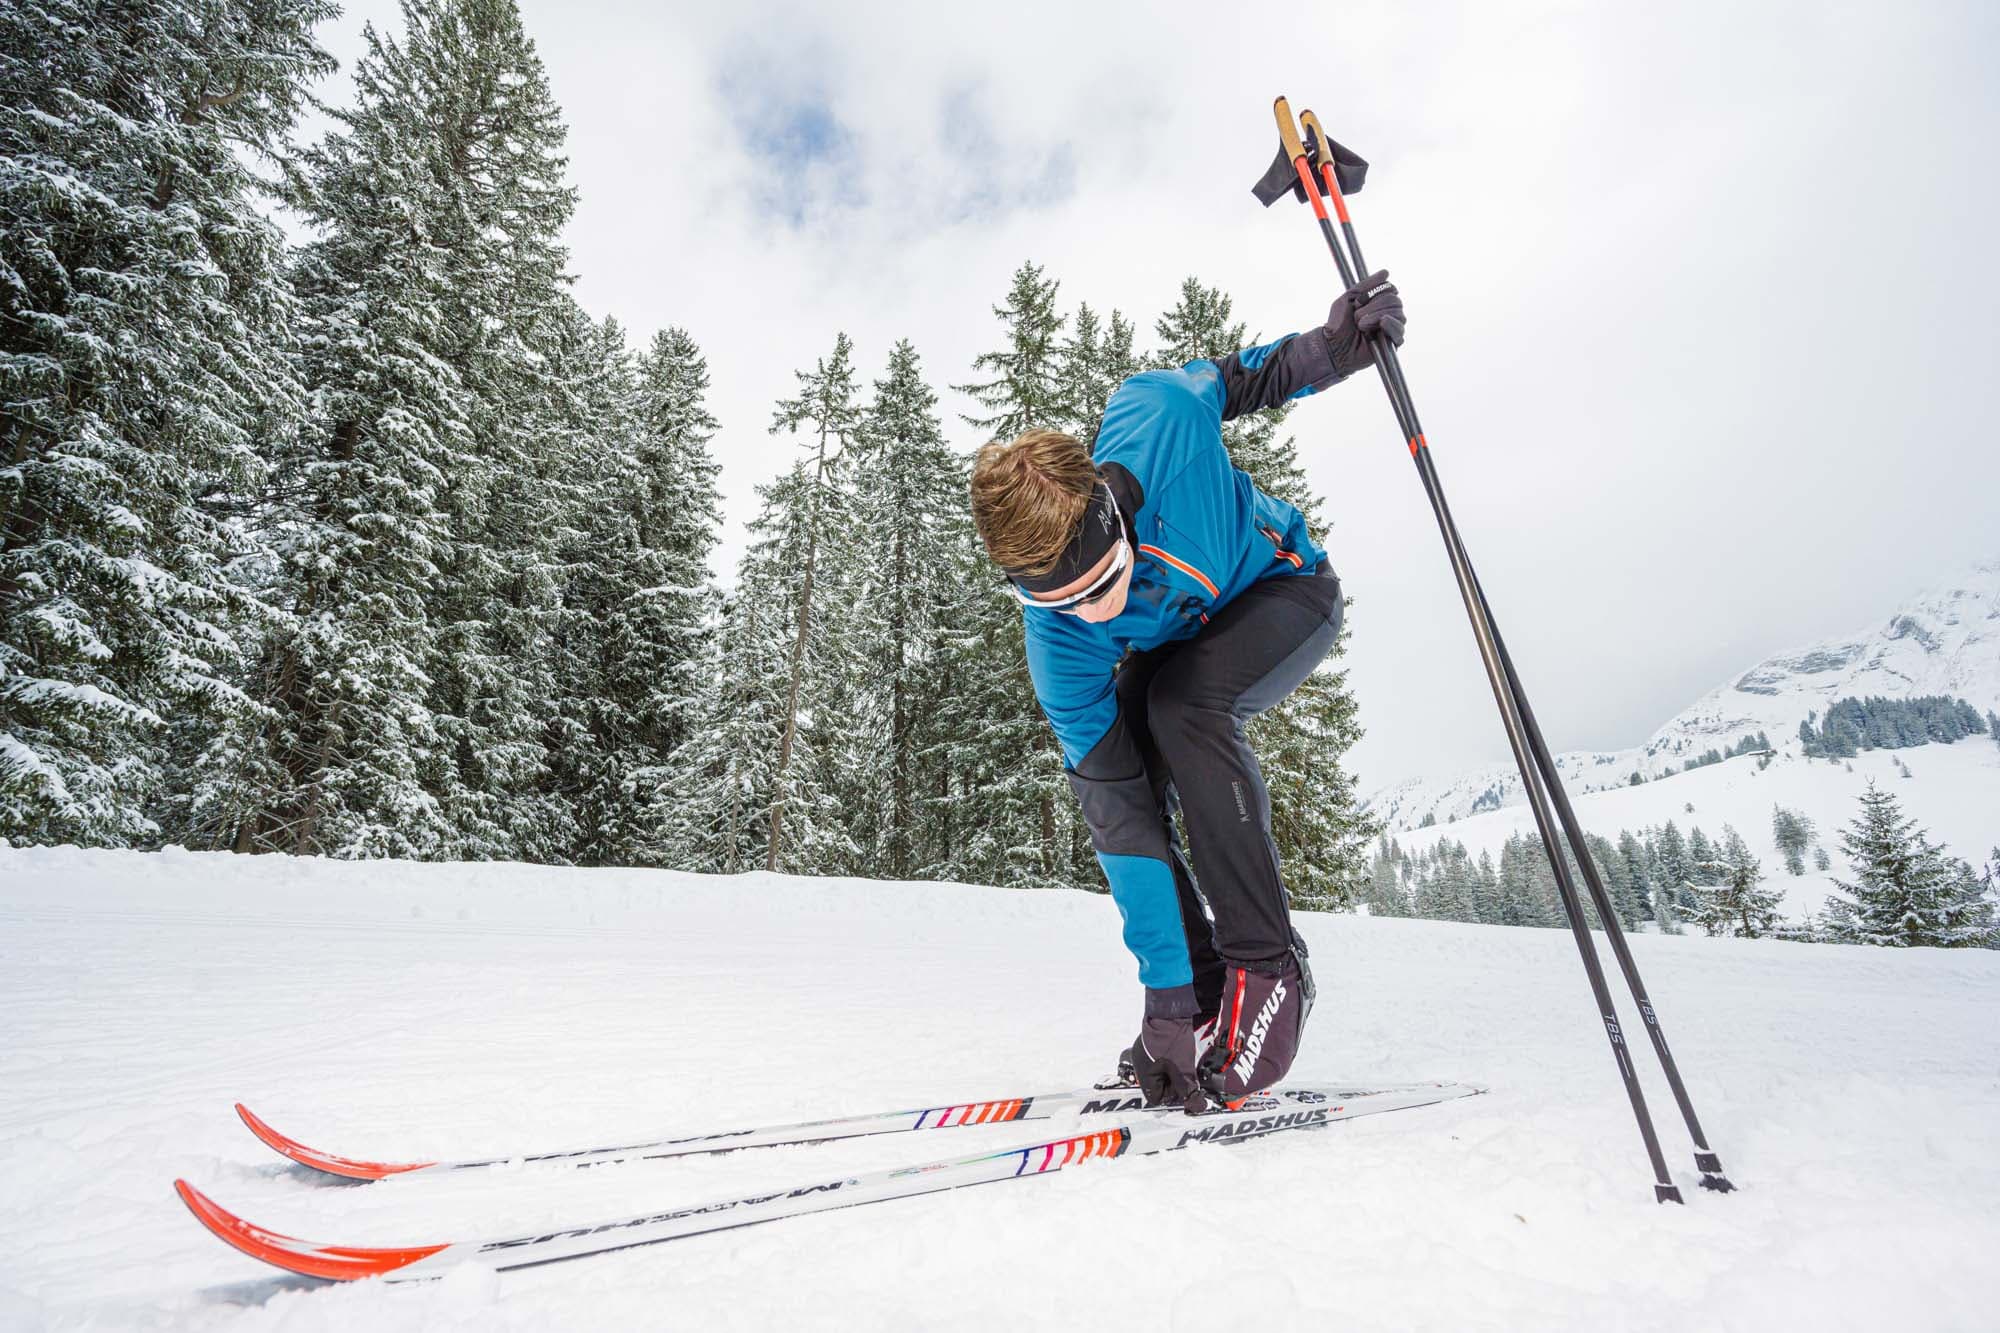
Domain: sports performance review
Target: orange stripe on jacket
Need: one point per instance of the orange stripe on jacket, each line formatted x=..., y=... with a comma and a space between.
x=1183, y=566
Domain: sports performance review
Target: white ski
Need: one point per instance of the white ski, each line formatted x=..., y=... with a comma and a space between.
x=1132, y=1136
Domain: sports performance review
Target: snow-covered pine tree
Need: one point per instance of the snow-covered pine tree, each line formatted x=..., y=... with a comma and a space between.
x=810, y=516
x=146, y=374
x=1704, y=860
x=713, y=811
x=1617, y=877
x=909, y=509
x=496, y=203
x=1673, y=868
x=356, y=512
x=1793, y=832
x=656, y=636
x=1634, y=856
x=1028, y=818
x=1732, y=903
x=1384, y=893
x=1519, y=892
x=586, y=439
x=1460, y=884
x=1906, y=892
x=1095, y=361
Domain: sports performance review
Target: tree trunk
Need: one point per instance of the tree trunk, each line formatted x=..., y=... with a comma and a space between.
x=798, y=661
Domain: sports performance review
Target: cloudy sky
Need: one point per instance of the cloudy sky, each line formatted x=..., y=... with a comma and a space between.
x=1703, y=295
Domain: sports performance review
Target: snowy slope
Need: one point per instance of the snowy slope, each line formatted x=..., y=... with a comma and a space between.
x=1953, y=791
x=392, y=1009
x=1944, y=641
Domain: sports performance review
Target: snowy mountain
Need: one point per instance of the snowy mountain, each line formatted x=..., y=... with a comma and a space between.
x=411, y=1011
x=1942, y=642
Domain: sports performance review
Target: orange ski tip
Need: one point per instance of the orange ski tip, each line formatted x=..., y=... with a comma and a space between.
x=340, y=1262
x=322, y=1161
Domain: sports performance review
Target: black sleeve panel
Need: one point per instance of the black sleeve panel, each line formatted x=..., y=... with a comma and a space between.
x=1260, y=377
x=1117, y=797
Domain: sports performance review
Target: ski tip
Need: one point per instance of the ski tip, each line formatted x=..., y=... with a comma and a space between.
x=339, y=1262
x=322, y=1161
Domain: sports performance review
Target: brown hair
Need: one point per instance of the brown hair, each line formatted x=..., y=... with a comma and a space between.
x=1029, y=496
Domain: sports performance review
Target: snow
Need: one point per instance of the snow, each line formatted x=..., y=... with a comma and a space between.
x=390, y=1009
x=1953, y=793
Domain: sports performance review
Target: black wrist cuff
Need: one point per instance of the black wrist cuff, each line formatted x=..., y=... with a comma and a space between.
x=1171, y=1002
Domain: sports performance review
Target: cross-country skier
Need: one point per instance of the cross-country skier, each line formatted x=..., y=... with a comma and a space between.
x=1167, y=600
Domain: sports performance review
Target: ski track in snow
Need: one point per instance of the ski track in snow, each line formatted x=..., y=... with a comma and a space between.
x=405, y=1011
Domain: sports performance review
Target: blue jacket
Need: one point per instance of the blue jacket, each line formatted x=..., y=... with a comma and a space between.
x=1201, y=532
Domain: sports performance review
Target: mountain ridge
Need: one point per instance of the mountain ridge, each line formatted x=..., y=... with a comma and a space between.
x=1944, y=640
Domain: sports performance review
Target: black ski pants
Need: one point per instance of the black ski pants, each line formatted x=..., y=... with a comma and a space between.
x=1186, y=704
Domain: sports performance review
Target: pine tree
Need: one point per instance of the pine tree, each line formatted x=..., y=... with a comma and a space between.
x=493, y=166
x=1734, y=903
x=1793, y=833
x=146, y=375
x=1028, y=388
x=1002, y=743
x=350, y=756
x=1385, y=894
x=1634, y=856
x=909, y=508
x=1675, y=868
x=808, y=513
x=1704, y=861
x=630, y=650
x=1519, y=901
x=1906, y=891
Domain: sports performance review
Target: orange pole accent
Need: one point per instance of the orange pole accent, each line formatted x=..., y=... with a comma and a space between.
x=1333, y=190
x=1312, y=191
x=1418, y=442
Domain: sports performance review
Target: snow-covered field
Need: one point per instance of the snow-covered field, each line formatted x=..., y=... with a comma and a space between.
x=397, y=1010
x=1953, y=793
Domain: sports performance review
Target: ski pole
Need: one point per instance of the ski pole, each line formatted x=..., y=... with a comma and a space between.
x=1324, y=151
x=1664, y=1190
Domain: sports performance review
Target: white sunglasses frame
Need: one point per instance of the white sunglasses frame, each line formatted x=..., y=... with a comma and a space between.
x=1099, y=586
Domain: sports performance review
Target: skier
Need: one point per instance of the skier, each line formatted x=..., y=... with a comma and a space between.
x=1167, y=601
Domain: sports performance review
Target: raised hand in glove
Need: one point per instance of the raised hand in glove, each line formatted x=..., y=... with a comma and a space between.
x=1369, y=308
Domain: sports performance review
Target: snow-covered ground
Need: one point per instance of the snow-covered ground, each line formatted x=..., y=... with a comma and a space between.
x=390, y=1010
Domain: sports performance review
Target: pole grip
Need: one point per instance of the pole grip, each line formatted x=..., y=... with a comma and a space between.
x=1288, y=130
x=1331, y=178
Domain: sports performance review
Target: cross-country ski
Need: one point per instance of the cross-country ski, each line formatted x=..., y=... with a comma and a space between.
x=1137, y=1135
x=955, y=1115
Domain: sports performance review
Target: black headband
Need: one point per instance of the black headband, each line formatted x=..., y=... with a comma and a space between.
x=1095, y=536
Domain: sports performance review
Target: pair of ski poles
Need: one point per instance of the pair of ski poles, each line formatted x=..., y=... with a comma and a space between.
x=1325, y=170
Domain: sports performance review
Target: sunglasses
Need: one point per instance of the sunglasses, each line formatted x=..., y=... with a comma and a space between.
x=1099, y=587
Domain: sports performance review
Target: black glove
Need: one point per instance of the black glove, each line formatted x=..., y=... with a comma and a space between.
x=1163, y=1060
x=1369, y=308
